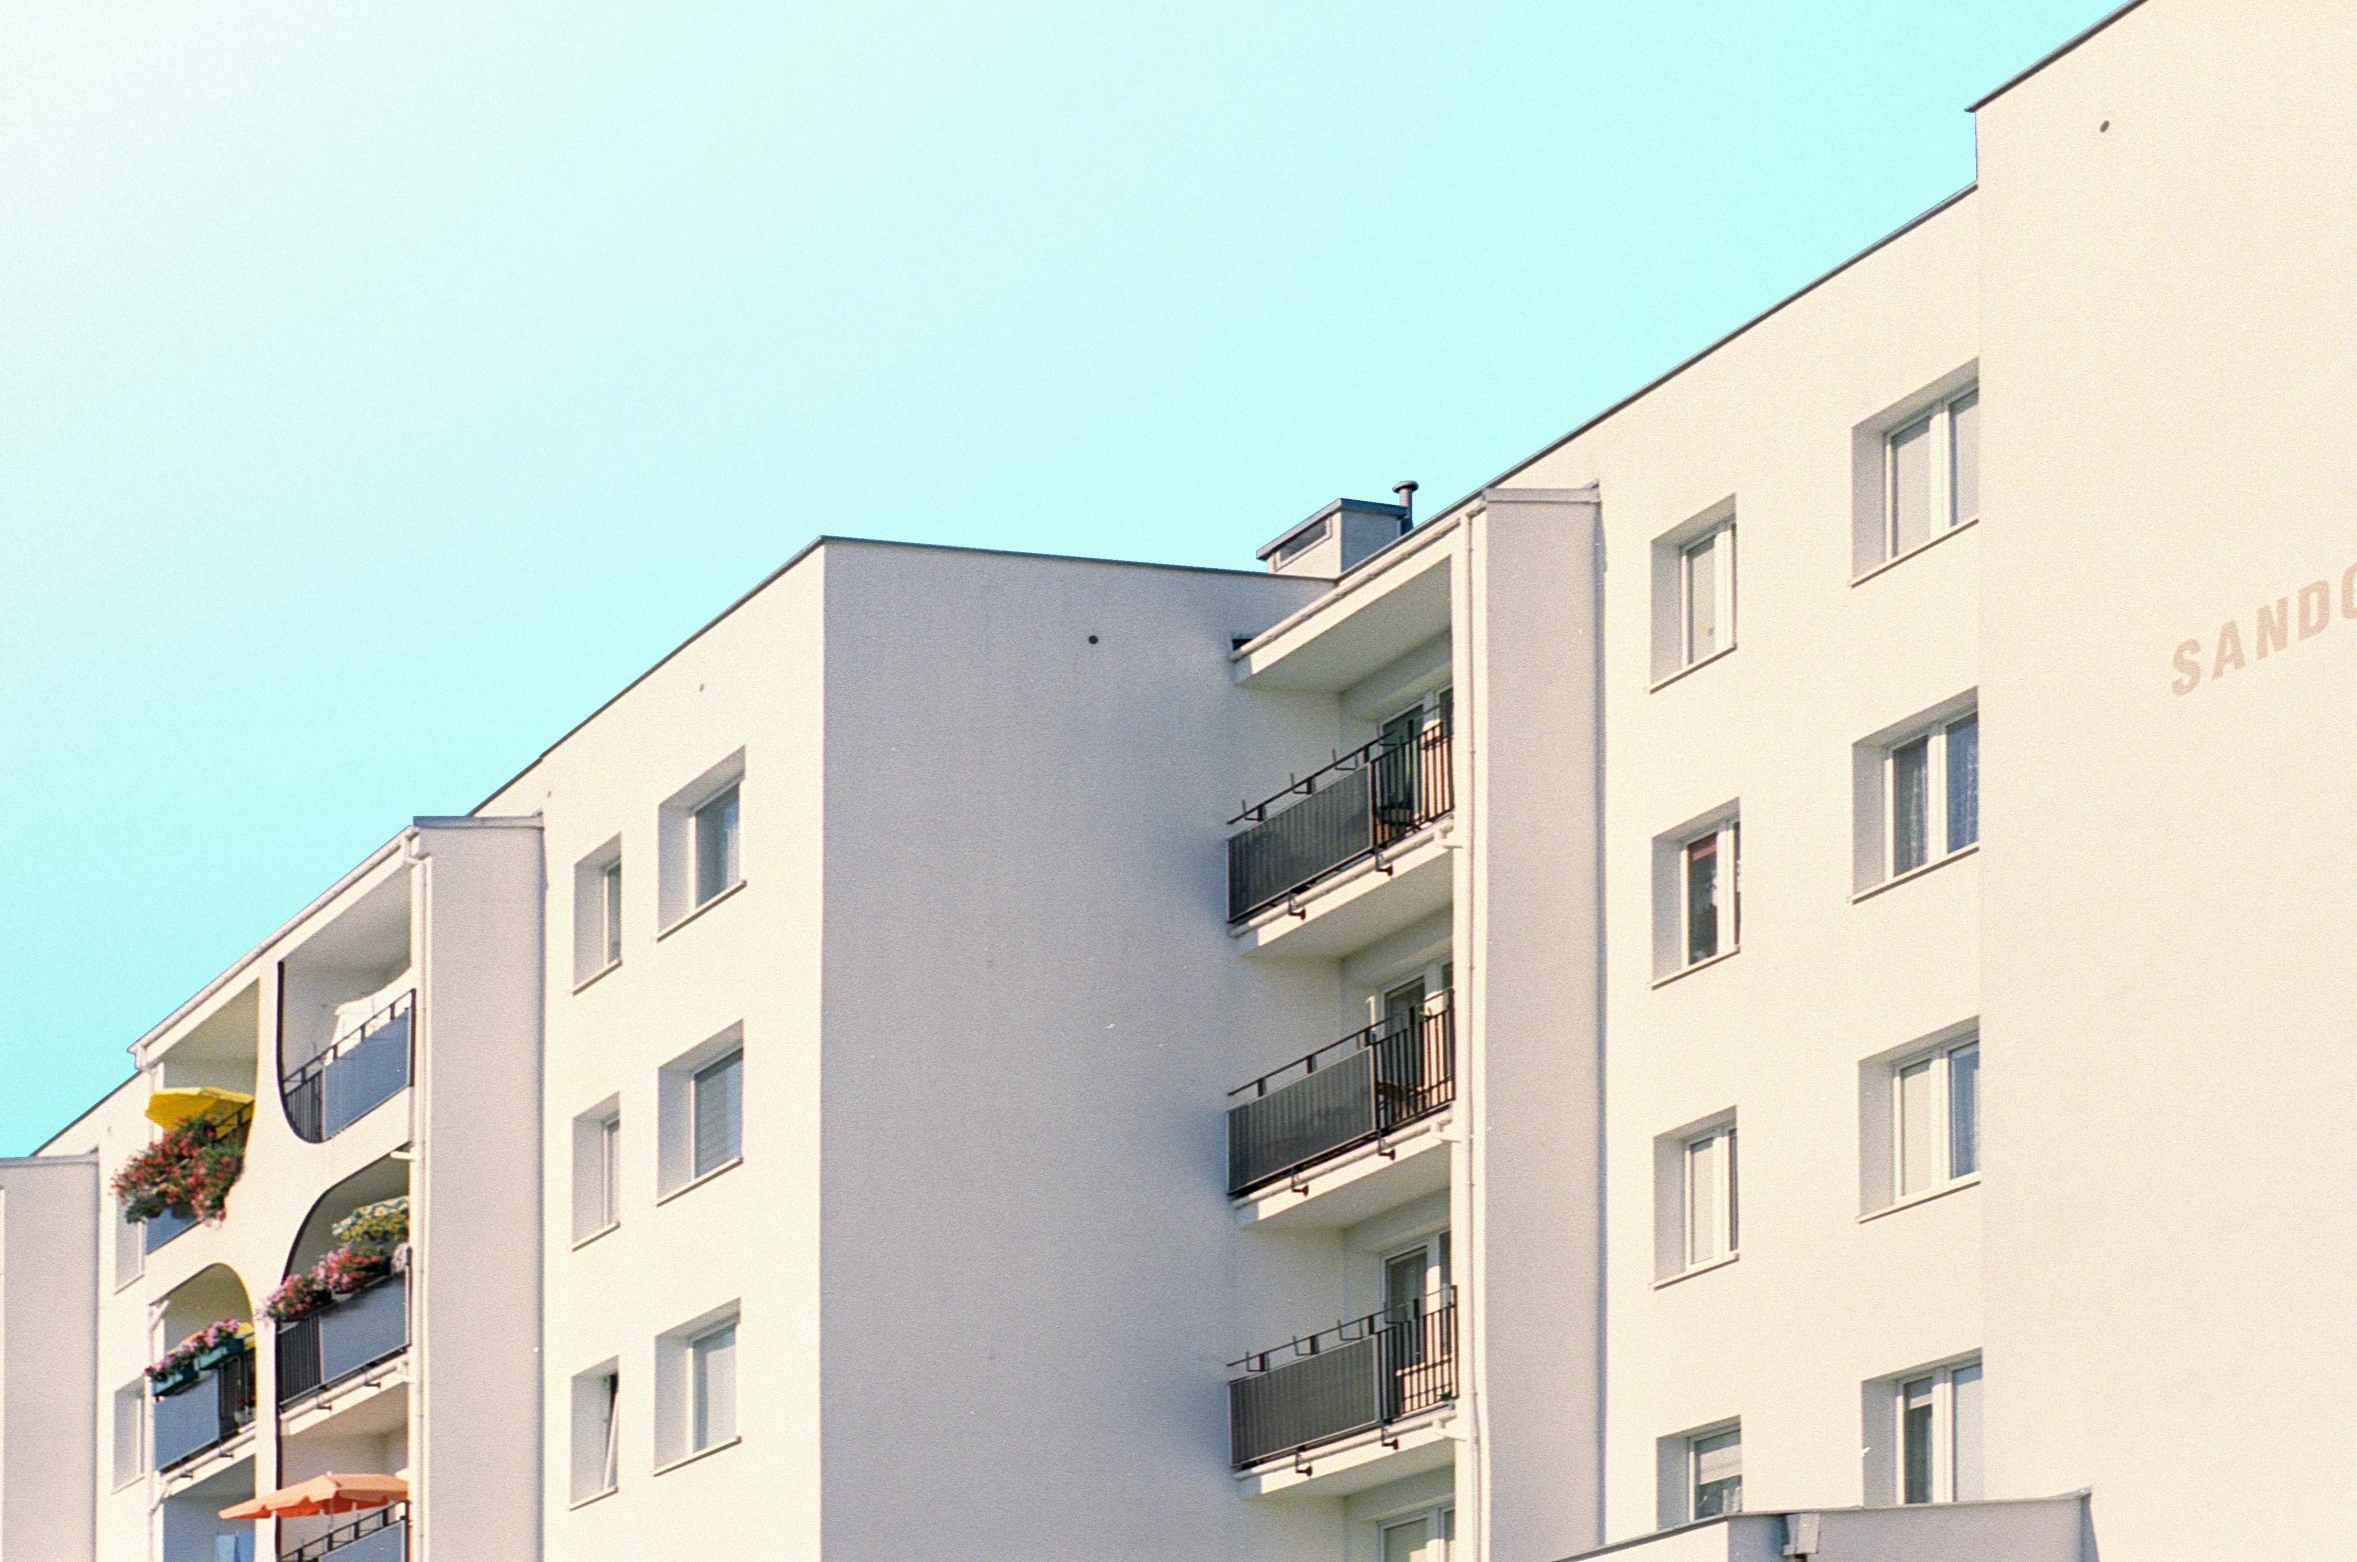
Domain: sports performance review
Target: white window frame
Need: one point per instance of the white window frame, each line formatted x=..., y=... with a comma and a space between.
x=1673, y=945
x=130, y=1246
x=597, y=913
x=597, y=1432
x=1876, y=764
x=597, y=1171
x=130, y=1432
x=1876, y=444
x=1440, y=1530
x=680, y=896
x=1949, y=1482
x=1678, y=1472
x=1938, y=1071
x=677, y=1388
x=675, y=1128
x=1675, y=592
x=1680, y=1249
x=1725, y=876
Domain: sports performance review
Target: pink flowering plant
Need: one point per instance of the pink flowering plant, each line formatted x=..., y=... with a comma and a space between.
x=188, y=1171
x=297, y=1296
x=367, y=1239
x=178, y=1366
x=349, y=1269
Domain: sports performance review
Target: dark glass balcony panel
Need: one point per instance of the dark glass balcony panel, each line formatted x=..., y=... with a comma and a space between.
x=1348, y=1379
x=205, y=1415
x=1362, y=1086
x=163, y=1228
x=342, y=1339
x=359, y=1073
x=1363, y=802
x=378, y=1535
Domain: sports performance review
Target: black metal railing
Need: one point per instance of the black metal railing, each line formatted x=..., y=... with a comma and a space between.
x=343, y=1339
x=1360, y=1088
x=1365, y=800
x=218, y=1406
x=359, y=1071
x=1351, y=1378
x=379, y=1535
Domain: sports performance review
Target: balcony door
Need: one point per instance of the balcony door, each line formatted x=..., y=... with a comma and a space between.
x=1424, y=1538
x=1400, y=782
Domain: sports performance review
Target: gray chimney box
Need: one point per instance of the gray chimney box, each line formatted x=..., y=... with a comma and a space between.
x=1330, y=542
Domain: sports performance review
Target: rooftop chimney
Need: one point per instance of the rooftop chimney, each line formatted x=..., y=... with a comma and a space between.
x=1330, y=543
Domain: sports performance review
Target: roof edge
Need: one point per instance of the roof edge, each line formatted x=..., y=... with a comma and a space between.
x=2048, y=58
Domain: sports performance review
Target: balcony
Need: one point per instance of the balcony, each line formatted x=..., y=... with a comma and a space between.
x=379, y=1535
x=342, y=1340
x=1358, y=1377
x=2034, y=1529
x=359, y=1071
x=1366, y=801
x=1359, y=1090
x=206, y=1414
x=160, y=1229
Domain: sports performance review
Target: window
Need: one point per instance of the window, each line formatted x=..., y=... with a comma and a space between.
x=597, y=1431
x=1424, y=1538
x=716, y=846
x=130, y=1432
x=1697, y=890
x=1694, y=1197
x=712, y=1387
x=702, y=1111
x=1700, y=1474
x=1935, y=1119
x=1918, y=793
x=1416, y=1279
x=700, y=832
x=1918, y=472
x=130, y=1248
x=1694, y=591
x=597, y=912
x=696, y=1387
x=597, y=1170
x=1931, y=1425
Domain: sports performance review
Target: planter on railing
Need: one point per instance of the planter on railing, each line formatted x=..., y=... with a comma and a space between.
x=360, y=1071
x=210, y=1410
x=1354, y=1377
x=1368, y=799
x=1360, y=1088
x=342, y=1339
x=183, y=1177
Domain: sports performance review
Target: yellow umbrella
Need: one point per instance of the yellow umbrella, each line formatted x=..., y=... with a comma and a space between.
x=171, y=1108
x=322, y=1494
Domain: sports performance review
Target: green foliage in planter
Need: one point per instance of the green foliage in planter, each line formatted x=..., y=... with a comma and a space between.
x=378, y=1227
x=190, y=1169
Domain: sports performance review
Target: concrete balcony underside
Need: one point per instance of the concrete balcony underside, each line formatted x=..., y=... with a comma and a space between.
x=1362, y=1181
x=1371, y=899
x=2038, y=1529
x=1360, y=1461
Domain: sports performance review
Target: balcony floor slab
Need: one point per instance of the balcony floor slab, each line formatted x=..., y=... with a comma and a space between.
x=1354, y=1464
x=1368, y=1180
x=1371, y=899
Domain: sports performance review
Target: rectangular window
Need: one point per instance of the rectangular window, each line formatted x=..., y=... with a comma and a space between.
x=712, y=1386
x=1706, y=587
x=1709, y=883
x=716, y=846
x=1939, y=1435
x=597, y=1431
x=130, y=1431
x=1424, y=1538
x=1919, y=793
x=1710, y=1196
x=700, y=843
x=130, y=1249
x=700, y=1108
x=597, y=911
x=1694, y=594
x=719, y=1112
x=597, y=1170
x=1917, y=473
x=1935, y=1103
x=1698, y=892
x=1717, y=1464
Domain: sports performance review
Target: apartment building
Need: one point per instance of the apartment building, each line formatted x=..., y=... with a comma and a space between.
x=1494, y=1036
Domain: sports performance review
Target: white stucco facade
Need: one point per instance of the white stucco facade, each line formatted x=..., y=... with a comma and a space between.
x=1521, y=1034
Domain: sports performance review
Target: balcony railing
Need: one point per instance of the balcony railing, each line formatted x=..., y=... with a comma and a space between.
x=160, y=1229
x=342, y=1339
x=1351, y=1378
x=1360, y=1088
x=379, y=1535
x=1364, y=801
x=218, y=1406
x=358, y=1072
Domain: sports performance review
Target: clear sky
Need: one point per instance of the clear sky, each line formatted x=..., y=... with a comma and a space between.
x=383, y=386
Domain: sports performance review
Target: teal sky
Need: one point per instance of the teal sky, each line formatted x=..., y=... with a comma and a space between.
x=381, y=387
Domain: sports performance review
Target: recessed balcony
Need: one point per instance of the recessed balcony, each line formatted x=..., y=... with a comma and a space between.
x=1341, y=1398
x=1360, y=1090
x=212, y=1407
x=342, y=1340
x=1376, y=797
x=380, y=1535
x=362, y=1067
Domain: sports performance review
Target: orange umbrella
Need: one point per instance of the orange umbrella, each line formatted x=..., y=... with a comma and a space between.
x=323, y=1494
